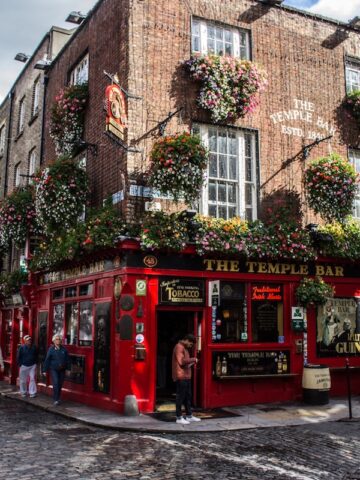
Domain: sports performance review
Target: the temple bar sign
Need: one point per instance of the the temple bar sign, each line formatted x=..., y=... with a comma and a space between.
x=214, y=265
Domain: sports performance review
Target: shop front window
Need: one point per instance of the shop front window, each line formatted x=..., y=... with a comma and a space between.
x=58, y=320
x=71, y=316
x=267, y=322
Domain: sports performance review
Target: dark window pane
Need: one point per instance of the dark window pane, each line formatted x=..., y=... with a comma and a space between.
x=86, y=289
x=232, y=187
x=222, y=166
x=70, y=292
x=213, y=165
x=212, y=191
x=212, y=210
x=222, y=192
x=222, y=212
x=56, y=294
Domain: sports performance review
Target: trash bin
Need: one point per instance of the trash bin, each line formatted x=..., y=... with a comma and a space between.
x=316, y=384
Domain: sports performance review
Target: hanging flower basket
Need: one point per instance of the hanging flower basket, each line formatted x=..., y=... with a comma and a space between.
x=313, y=291
x=67, y=119
x=177, y=167
x=330, y=187
x=18, y=217
x=352, y=103
x=61, y=192
x=11, y=283
x=163, y=231
x=229, y=86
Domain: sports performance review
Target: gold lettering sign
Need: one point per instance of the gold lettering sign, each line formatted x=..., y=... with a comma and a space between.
x=217, y=265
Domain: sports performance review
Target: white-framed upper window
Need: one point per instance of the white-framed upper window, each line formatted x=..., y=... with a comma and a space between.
x=352, y=77
x=80, y=74
x=354, y=157
x=32, y=164
x=2, y=138
x=21, y=119
x=230, y=189
x=208, y=37
x=36, y=97
x=17, y=175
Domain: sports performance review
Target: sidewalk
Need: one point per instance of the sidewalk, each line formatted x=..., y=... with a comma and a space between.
x=254, y=416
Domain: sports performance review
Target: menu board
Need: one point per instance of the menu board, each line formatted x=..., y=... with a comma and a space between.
x=265, y=317
x=259, y=362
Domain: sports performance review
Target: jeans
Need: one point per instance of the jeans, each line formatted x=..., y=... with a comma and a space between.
x=183, y=397
x=27, y=374
x=57, y=379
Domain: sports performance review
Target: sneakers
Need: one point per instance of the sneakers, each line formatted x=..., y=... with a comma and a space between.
x=192, y=419
x=23, y=395
x=56, y=403
x=33, y=395
x=182, y=421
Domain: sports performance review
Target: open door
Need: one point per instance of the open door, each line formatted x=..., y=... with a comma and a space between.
x=171, y=327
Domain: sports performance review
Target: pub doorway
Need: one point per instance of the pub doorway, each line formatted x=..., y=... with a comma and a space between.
x=171, y=327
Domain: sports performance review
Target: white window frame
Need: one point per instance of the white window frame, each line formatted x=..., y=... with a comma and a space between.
x=17, y=175
x=243, y=138
x=352, y=70
x=354, y=159
x=238, y=50
x=32, y=164
x=2, y=138
x=36, y=97
x=80, y=74
x=21, y=120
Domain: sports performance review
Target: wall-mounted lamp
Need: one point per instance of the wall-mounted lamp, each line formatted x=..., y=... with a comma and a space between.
x=42, y=64
x=21, y=57
x=75, y=17
x=354, y=22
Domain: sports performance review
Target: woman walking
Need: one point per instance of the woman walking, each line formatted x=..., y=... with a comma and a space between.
x=57, y=361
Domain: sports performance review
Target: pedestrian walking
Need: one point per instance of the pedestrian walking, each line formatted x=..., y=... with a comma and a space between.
x=181, y=373
x=27, y=356
x=57, y=361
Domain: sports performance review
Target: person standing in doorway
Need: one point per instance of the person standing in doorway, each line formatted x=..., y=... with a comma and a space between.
x=57, y=361
x=181, y=373
x=27, y=356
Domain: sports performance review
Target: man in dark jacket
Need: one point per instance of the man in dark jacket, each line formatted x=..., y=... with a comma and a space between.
x=57, y=361
x=27, y=356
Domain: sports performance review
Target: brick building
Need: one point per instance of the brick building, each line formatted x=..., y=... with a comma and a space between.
x=135, y=303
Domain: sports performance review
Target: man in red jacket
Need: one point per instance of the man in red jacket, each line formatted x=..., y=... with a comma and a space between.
x=181, y=374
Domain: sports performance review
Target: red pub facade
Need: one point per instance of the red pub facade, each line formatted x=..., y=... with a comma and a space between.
x=122, y=311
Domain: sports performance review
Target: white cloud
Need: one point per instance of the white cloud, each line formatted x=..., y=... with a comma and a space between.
x=339, y=10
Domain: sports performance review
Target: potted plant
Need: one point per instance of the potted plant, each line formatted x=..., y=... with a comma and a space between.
x=178, y=163
x=330, y=187
x=313, y=291
x=352, y=103
x=61, y=192
x=67, y=118
x=229, y=86
x=18, y=216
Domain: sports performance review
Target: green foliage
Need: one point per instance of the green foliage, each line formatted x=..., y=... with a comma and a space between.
x=346, y=239
x=313, y=291
x=352, y=103
x=331, y=185
x=11, y=283
x=177, y=167
x=162, y=231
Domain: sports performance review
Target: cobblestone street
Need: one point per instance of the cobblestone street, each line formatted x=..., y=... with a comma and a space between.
x=36, y=444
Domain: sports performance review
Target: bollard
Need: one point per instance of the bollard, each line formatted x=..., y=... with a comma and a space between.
x=131, y=407
x=348, y=387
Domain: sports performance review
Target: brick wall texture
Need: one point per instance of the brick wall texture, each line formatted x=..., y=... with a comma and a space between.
x=145, y=43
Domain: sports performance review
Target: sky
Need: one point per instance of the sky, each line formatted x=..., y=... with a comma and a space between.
x=23, y=23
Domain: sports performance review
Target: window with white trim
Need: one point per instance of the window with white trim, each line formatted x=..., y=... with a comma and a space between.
x=36, y=97
x=231, y=185
x=17, y=176
x=21, y=119
x=354, y=157
x=352, y=77
x=32, y=164
x=2, y=139
x=80, y=74
x=208, y=37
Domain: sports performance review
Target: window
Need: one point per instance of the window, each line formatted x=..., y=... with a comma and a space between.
x=2, y=139
x=73, y=319
x=32, y=164
x=36, y=97
x=354, y=157
x=230, y=189
x=352, y=77
x=209, y=38
x=17, y=175
x=80, y=74
x=267, y=322
x=21, y=119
